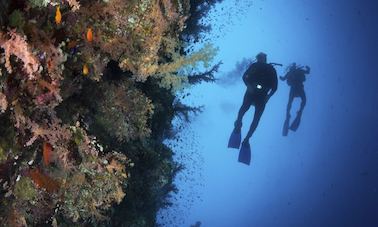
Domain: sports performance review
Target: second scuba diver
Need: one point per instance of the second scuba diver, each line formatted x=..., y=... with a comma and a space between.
x=295, y=78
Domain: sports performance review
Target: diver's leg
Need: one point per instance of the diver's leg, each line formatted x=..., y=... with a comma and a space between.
x=302, y=95
x=290, y=102
x=259, y=109
x=295, y=124
x=285, y=129
x=243, y=109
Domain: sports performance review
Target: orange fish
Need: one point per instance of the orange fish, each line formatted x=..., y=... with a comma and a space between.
x=89, y=35
x=49, y=64
x=47, y=153
x=58, y=16
x=85, y=69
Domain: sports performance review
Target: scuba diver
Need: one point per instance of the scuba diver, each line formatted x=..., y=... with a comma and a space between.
x=295, y=78
x=261, y=81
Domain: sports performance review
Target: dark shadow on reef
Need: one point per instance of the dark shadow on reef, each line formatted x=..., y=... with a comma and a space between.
x=154, y=169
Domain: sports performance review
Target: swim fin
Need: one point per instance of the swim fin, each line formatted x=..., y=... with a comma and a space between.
x=285, y=129
x=245, y=153
x=235, y=139
x=294, y=126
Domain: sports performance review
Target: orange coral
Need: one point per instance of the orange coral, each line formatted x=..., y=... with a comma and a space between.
x=47, y=153
x=43, y=181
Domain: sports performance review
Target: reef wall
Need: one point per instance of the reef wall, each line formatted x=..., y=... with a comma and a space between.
x=88, y=92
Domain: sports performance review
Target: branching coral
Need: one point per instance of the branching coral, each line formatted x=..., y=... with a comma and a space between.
x=53, y=132
x=90, y=191
x=39, y=3
x=170, y=73
x=124, y=112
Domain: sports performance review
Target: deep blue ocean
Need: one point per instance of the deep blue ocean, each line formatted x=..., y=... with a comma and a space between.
x=325, y=173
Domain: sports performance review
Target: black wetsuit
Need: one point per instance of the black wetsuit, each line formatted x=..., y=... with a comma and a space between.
x=295, y=79
x=260, y=78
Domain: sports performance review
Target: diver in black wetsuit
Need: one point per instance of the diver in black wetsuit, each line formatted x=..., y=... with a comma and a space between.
x=261, y=81
x=295, y=78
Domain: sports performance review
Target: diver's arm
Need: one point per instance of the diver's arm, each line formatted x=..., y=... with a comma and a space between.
x=308, y=69
x=245, y=76
x=274, y=84
x=283, y=78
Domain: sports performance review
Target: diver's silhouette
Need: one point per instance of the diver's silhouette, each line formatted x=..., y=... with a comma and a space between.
x=261, y=81
x=295, y=78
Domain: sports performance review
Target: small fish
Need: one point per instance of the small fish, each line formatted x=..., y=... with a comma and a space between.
x=85, y=69
x=58, y=16
x=89, y=35
x=47, y=152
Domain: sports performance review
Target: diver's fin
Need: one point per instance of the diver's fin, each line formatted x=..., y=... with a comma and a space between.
x=235, y=139
x=294, y=126
x=245, y=153
x=285, y=129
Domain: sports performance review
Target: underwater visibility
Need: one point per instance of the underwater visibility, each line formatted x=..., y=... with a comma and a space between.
x=214, y=113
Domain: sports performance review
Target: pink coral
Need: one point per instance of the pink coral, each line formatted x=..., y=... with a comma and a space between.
x=16, y=45
x=54, y=131
x=3, y=102
x=75, y=5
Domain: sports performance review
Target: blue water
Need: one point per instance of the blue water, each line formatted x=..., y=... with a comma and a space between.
x=325, y=174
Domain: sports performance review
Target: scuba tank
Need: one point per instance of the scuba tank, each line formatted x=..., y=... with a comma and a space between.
x=295, y=74
x=272, y=63
x=275, y=64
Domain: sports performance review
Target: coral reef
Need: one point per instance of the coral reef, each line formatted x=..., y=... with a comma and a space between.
x=88, y=92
